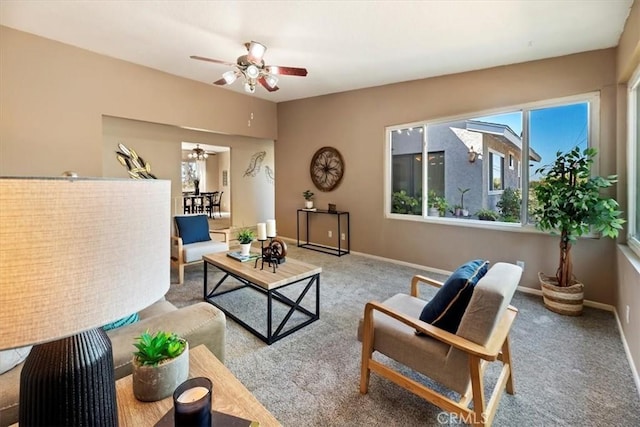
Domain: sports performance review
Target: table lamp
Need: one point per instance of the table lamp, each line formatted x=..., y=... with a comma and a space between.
x=76, y=254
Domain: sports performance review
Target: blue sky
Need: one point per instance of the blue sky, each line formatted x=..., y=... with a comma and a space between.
x=552, y=129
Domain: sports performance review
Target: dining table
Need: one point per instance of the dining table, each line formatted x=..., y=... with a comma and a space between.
x=195, y=203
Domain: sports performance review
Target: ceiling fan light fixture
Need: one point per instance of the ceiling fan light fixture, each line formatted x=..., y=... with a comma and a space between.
x=252, y=72
x=229, y=77
x=198, y=153
x=249, y=88
x=271, y=80
x=256, y=51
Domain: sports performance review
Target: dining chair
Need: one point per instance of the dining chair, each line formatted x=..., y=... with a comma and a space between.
x=216, y=203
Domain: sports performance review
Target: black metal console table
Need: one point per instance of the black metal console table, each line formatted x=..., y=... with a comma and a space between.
x=340, y=250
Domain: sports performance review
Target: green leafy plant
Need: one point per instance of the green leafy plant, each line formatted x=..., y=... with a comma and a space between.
x=487, y=215
x=569, y=203
x=307, y=194
x=245, y=236
x=509, y=205
x=438, y=202
x=402, y=203
x=153, y=349
x=462, y=193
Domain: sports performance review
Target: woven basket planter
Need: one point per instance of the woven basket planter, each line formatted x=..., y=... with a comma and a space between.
x=567, y=300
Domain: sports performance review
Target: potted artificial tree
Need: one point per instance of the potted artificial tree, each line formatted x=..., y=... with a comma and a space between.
x=245, y=236
x=308, y=199
x=569, y=204
x=159, y=366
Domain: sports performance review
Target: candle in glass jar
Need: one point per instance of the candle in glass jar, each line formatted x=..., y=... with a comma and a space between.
x=192, y=403
x=192, y=394
x=262, y=231
x=271, y=228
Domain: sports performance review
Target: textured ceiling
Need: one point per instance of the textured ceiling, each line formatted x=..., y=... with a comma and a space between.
x=344, y=45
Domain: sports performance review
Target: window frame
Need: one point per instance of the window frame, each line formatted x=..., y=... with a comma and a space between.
x=633, y=128
x=593, y=140
x=490, y=190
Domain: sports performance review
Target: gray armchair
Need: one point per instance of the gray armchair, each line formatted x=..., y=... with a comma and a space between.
x=191, y=240
x=456, y=361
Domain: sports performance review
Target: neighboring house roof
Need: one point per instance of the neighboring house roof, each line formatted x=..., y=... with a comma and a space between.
x=504, y=132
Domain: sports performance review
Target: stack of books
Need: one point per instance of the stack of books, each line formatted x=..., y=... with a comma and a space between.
x=243, y=258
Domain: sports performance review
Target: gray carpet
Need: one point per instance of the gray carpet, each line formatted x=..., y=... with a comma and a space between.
x=568, y=371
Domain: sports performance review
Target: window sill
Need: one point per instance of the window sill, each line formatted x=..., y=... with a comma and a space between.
x=476, y=223
x=631, y=256
x=470, y=223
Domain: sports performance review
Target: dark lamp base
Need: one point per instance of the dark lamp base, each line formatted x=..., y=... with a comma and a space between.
x=70, y=382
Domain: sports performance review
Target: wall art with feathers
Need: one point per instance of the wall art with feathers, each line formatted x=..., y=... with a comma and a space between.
x=255, y=165
x=136, y=166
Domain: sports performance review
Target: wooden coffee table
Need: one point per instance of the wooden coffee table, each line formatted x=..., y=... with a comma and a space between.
x=270, y=283
x=229, y=395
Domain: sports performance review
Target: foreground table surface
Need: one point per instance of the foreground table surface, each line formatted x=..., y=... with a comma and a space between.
x=229, y=395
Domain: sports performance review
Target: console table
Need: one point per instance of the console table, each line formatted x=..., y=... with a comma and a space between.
x=339, y=250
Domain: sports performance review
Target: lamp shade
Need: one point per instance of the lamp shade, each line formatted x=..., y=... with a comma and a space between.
x=77, y=253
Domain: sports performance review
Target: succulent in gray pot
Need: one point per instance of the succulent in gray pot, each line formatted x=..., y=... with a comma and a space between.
x=569, y=204
x=159, y=366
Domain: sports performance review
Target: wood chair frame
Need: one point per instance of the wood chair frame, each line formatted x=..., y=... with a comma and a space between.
x=496, y=349
x=177, y=260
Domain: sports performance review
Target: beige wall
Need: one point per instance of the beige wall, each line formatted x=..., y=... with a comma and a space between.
x=252, y=198
x=54, y=95
x=628, y=264
x=354, y=123
x=53, y=98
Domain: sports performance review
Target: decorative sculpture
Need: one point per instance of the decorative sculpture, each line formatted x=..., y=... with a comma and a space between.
x=136, y=166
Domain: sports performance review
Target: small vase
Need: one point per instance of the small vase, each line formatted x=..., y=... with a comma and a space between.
x=245, y=249
x=434, y=212
x=308, y=204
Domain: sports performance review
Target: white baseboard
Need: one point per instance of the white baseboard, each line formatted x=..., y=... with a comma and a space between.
x=627, y=350
x=588, y=303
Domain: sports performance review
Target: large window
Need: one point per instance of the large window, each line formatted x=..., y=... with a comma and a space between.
x=406, y=170
x=475, y=164
x=633, y=148
x=189, y=175
x=496, y=171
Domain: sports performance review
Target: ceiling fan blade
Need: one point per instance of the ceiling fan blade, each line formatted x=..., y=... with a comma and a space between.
x=220, y=82
x=215, y=61
x=286, y=71
x=264, y=84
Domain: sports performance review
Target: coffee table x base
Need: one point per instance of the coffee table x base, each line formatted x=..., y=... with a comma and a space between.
x=272, y=294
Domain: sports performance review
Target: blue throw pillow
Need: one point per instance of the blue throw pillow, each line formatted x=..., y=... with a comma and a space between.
x=193, y=228
x=133, y=318
x=446, y=308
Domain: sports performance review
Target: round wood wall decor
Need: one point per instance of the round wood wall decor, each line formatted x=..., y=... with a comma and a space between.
x=326, y=169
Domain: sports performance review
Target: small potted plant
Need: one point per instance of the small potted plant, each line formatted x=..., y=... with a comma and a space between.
x=569, y=204
x=159, y=366
x=487, y=215
x=463, y=211
x=308, y=199
x=245, y=236
x=437, y=205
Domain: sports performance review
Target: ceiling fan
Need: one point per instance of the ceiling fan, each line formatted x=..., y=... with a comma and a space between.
x=252, y=67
